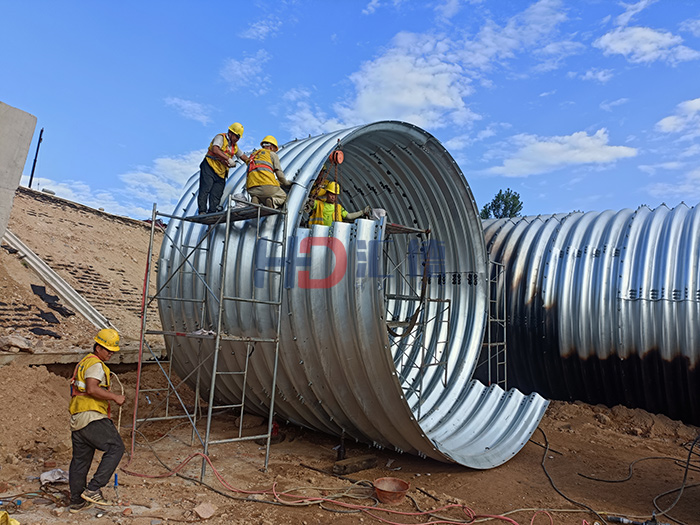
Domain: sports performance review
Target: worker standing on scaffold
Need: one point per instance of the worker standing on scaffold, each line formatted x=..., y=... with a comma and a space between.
x=221, y=155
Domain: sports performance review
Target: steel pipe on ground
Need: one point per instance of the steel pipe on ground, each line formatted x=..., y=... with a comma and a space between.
x=380, y=327
x=604, y=307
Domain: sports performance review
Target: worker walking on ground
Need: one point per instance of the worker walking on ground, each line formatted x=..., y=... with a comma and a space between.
x=90, y=423
x=328, y=211
x=221, y=155
x=265, y=176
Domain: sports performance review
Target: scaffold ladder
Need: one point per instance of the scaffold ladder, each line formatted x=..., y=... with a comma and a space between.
x=189, y=253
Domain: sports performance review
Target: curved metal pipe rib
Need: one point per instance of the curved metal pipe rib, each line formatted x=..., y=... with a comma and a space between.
x=604, y=306
x=340, y=369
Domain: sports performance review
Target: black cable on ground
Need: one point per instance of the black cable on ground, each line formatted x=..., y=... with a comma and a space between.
x=551, y=481
x=679, y=489
x=630, y=469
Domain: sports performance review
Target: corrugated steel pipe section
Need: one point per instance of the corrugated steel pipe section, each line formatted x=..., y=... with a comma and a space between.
x=340, y=370
x=604, y=307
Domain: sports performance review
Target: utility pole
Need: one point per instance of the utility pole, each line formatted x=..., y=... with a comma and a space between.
x=31, y=177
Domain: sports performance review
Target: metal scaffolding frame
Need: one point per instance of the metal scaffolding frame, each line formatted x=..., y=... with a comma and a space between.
x=236, y=210
x=495, y=342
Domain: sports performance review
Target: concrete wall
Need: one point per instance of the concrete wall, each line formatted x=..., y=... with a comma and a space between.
x=16, y=132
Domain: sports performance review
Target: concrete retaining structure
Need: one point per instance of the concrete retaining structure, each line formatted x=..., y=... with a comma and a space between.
x=16, y=131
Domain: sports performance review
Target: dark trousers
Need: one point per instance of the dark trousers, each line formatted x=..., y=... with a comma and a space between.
x=211, y=188
x=98, y=435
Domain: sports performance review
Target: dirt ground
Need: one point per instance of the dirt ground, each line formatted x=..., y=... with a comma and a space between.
x=297, y=488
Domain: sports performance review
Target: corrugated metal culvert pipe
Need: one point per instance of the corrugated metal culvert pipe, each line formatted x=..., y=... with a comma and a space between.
x=381, y=326
x=604, y=307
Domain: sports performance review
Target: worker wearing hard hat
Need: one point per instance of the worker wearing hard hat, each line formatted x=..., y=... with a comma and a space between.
x=328, y=211
x=90, y=423
x=221, y=155
x=265, y=176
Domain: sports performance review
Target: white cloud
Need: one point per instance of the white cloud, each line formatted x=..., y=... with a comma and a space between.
x=599, y=75
x=608, y=106
x=645, y=45
x=686, y=188
x=463, y=141
x=632, y=10
x=162, y=182
x=307, y=119
x=536, y=155
x=686, y=119
x=448, y=8
x=191, y=110
x=415, y=81
x=523, y=31
x=692, y=26
x=262, y=29
x=651, y=169
x=237, y=72
x=425, y=78
x=376, y=4
x=554, y=53
x=691, y=151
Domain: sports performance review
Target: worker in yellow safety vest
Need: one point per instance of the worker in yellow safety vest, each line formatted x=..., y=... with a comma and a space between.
x=328, y=211
x=90, y=423
x=221, y=155
x=265, y=176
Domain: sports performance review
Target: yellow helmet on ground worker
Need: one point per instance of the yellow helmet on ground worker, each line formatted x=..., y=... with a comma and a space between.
x=108, y=338
x=236, y=128
x=333, y=187
x=269, y=140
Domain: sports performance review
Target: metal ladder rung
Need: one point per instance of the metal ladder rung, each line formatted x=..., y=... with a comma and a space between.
x=248, y=339
x=243, y=438
x=249, y=300
x=226, y=373
x=267, y=239
x=265, y=270
x=222, y=407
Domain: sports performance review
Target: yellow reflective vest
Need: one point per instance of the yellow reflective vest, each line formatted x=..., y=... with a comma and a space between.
x=221, y=168
x=260, y=169
x=80, y=401
x=325, y=213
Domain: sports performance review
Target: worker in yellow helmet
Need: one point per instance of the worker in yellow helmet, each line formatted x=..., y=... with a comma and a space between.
x=265, y=176
x=221, y=155
x=90, y=423
x=329, y=210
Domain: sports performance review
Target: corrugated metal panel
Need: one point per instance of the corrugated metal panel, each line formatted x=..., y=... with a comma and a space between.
x=604, y=307
x=339, y=369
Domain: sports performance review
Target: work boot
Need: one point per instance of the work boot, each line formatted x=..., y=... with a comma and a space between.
x=77, y=507
x=269, y=202
x=96, y=497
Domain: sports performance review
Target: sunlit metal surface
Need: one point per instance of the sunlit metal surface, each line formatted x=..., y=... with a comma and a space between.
x=341, y=369
x=604, y=307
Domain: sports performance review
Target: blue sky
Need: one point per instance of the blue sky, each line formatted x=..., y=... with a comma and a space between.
x=576, y=105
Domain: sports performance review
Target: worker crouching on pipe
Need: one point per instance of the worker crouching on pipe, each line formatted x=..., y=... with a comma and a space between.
x=329, y=210
x=91, y=424
x=265, y=180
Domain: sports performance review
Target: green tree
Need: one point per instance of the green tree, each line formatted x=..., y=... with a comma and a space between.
x=504, y=204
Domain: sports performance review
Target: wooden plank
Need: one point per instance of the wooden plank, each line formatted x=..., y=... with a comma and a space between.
x=350, y=465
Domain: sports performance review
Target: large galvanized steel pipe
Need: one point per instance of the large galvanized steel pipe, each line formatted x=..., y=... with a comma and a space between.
x=381, y=327
x=604, y=307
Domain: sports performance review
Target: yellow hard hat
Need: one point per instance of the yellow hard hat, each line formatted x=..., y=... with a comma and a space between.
x=270, y=140
x=333, y=187
x=108, y=338
x=236, y=128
